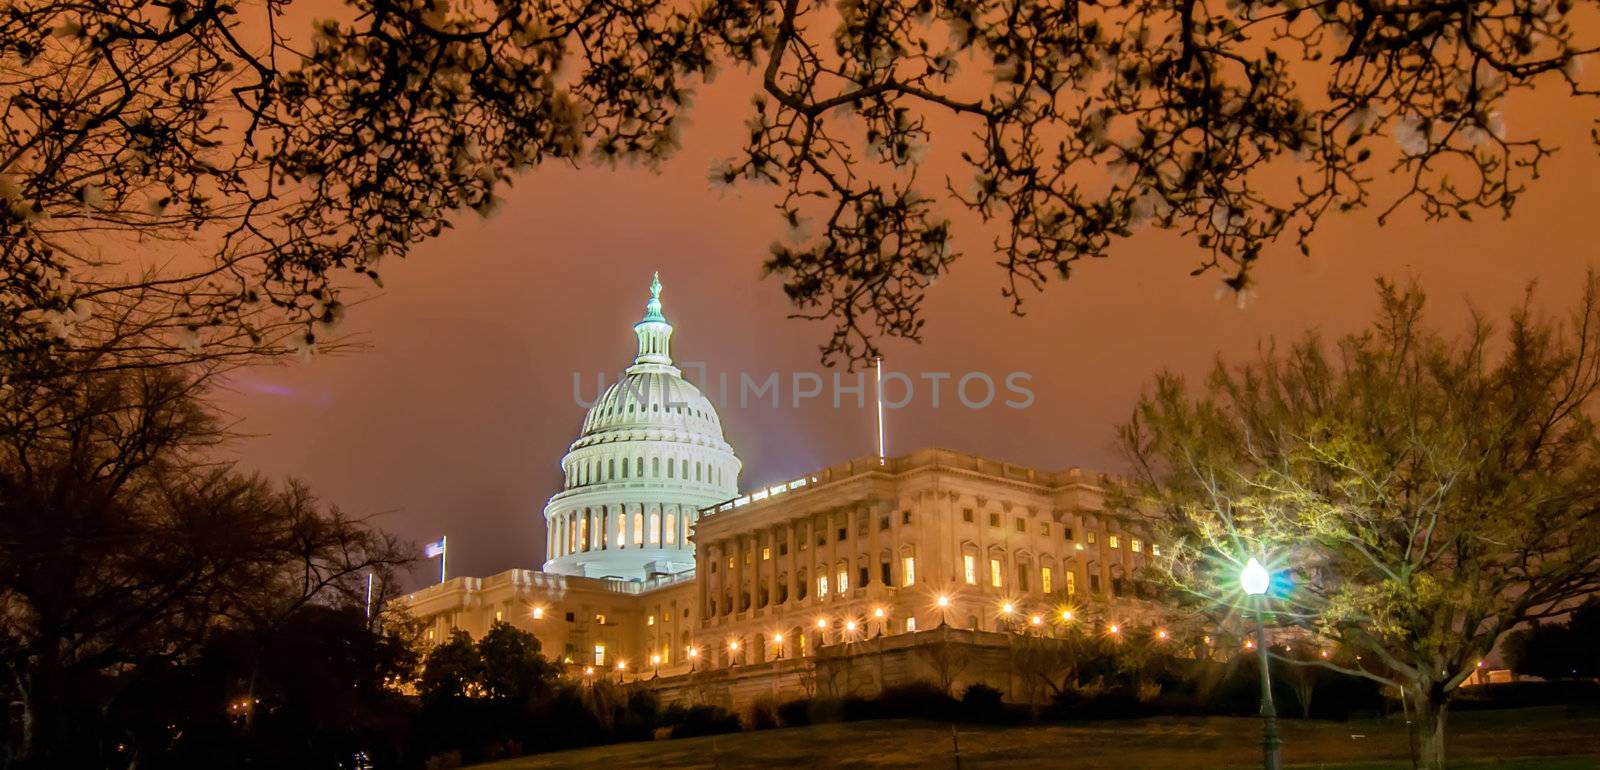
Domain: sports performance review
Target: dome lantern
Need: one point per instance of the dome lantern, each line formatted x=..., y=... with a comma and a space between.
x=655, y=334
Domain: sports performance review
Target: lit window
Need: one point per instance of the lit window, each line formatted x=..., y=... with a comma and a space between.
x=599, y=655
x=650, y=621
x=1072, y=583
x=766, y=552
x=1044, y=527
x=1135, y=545
x=601, y=619
x=994, y=572
x=730, y=562
x=970, y=563
x=1090, y=536
x=638, y=529
x=655, y=528
x=1044, y=579
x=908, y=571
x=822, y=586
x=911, y=624
x=672, y=528
x=1155, y=550
x=498, y=616
x=1114, y=542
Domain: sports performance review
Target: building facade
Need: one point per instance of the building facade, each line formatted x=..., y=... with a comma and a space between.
x=657, y=568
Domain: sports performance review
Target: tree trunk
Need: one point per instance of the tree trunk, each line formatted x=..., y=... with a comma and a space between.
x=1431, y=708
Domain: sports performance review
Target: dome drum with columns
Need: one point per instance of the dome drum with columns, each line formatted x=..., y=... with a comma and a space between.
x=650, y=455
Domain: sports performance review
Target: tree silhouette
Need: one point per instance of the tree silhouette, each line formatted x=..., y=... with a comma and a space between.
x=1420, y=495
x=258, y=169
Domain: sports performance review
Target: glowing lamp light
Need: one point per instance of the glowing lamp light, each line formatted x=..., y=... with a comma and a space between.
x=850, y=625
x=1249, y=644
x=1324, y=653
x=1008, y=608
x=1066, y=615
x=655, y=660
x=734, y=645
x=1036, y=620
x=694, y=652
x=538, y=613
x=822, y=622
x=877, y=612
x=622, y=665
x=588, y=670
x=1254, y=578
x=1116, y=629
x=943, y=601
x=1161, y=634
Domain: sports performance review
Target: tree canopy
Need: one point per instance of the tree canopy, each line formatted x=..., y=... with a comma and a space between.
x=1418, y=494
x=202, y=179
x=126, y=549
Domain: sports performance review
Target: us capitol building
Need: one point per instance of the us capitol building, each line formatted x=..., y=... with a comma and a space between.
x=856, y=576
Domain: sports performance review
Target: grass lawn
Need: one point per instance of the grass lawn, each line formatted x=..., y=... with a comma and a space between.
x=1523, y=739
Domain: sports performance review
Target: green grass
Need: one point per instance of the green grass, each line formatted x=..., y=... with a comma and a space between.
x=1524, y=739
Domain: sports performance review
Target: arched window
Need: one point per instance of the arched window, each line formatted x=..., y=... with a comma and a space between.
x=622, y=528
x=625, y=465
x=611, y=469
x=655, y=467
x=697, y=470
x=655, y=528
x=639, y=467
x=683, y=469
x=638, y=528
x=669, y=468
x=672, y=528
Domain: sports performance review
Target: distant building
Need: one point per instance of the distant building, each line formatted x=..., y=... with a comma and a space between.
x=795, y=573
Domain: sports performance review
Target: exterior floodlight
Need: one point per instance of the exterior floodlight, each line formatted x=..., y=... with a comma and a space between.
x=1254, y=578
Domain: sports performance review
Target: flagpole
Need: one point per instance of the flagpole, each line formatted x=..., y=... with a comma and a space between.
x=444, y=556
x=369, y=593
x=879, y=362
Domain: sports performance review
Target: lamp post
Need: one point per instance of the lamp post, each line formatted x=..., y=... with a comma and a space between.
x=655, y=666
x=944, y=605
x=1255, y=580
x=694, y=657
x=777, y=641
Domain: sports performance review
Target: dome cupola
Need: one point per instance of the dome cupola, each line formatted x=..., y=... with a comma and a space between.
x=650, y=454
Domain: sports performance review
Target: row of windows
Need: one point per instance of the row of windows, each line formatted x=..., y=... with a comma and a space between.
x=599, y=470
x=840, y=582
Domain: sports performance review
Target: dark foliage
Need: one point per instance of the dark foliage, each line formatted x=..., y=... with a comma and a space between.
x=1569, y=650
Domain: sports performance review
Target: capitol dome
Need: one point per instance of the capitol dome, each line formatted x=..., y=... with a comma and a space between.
x=650, y=455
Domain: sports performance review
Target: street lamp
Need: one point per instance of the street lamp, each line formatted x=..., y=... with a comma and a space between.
x=944, y=604
x=850, y=630
x=655, y=666
x=694, y=657
x=777, y=641
x=1255, y=580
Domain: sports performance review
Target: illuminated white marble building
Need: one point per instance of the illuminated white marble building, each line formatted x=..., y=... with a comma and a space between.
x=656, y=566
x=650, y=456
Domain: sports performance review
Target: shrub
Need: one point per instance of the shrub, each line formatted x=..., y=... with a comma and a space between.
x=795, y=713
x=980, y=700
x=917, y=700
x=761, y=715
x=705, y=720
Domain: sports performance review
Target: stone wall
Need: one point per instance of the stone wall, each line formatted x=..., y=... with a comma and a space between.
x=948, y=657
